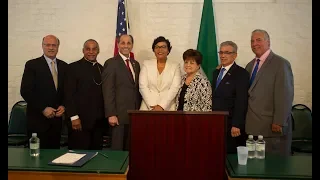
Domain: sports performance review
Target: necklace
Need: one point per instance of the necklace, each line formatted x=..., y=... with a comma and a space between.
x=98, y=84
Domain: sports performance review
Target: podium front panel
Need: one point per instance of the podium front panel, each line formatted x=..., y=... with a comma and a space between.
x=167, y=146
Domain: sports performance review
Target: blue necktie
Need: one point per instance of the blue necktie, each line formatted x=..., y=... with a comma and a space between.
x=255, y=70
x=220, y=77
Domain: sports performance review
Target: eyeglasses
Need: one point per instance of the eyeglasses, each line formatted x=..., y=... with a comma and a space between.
x=160, y=47
x=226, y=52
x=48, y=45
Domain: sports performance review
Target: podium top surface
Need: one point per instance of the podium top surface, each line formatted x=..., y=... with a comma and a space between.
x=179, y=112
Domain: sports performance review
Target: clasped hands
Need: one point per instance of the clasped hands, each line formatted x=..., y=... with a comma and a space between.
x=156, y=108
x=50, y=112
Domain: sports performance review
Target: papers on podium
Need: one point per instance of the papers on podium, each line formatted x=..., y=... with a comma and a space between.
x=73, y=159
x=68, y=158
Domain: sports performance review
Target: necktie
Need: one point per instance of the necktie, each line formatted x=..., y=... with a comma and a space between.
x=127, y=61
x=54, y=74
x=255, y=70
x=220, y=77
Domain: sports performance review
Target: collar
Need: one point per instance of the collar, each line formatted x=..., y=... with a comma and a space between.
x=91, y=62
x=227, y=67
x=264, y=56
x=124, y=57
x=49, y=60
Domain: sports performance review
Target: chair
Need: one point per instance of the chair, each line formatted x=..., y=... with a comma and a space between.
x=17, y=126
x=302, y=129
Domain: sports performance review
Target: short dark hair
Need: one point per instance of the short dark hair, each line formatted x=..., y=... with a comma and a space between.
x=192, y=53
x=118, y=38
x=161, y=39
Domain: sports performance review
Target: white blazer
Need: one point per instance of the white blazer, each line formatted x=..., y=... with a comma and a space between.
x=164, y=95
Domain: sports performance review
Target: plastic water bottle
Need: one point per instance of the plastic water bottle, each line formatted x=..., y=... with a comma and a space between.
x=251, y=144
x=34, y=145
x=260, y=147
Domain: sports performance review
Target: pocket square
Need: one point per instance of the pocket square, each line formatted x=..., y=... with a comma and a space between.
x=227, y=83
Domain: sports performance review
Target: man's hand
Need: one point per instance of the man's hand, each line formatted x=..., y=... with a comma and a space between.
x=156, y=108
x=76, y=125
x=60, y=111
x=113, y=120
x=235, y=132
x=276, y=128
x=49, y=112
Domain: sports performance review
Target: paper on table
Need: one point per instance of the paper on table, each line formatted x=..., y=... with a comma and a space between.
x=68, y=158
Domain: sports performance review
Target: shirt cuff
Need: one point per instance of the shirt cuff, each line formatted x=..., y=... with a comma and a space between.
x=74, y=117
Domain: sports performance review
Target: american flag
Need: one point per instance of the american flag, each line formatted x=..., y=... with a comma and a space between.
x=122, y=24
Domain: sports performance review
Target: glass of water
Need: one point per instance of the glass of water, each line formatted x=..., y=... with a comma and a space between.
x=242, y=152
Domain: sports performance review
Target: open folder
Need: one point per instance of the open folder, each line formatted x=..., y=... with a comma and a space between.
x=73, y=159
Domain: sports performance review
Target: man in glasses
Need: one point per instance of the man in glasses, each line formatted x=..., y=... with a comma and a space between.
x=84, y=100
x=230, y=85
x=42, y=88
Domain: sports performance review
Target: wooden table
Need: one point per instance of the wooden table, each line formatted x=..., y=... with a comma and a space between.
x=23, y=167
x=272, y=167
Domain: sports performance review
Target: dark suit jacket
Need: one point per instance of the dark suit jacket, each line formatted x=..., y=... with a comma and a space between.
x=83, y=97
x=232, y=95
x=38, y=90
x=120, y=92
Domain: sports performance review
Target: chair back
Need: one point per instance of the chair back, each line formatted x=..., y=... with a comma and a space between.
x=18, y=119
x=302, y=122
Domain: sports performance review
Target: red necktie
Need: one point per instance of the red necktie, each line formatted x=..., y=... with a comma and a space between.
x=127, y=61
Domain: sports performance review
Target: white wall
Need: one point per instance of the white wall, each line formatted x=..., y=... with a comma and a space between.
x=288, y=22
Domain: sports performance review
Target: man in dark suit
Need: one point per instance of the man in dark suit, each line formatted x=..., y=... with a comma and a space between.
x=120, y=88
x=270, y=96
x=42, y=88
x=230, y=93
x=84, y=100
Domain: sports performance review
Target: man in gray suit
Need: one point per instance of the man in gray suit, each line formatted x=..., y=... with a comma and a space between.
x=120, y=89
x=270, y=96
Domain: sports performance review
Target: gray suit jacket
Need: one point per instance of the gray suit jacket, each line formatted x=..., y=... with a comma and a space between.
x=120, y=91
x=270, y=97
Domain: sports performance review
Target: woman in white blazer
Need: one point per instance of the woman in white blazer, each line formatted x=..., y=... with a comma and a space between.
x=159, y=79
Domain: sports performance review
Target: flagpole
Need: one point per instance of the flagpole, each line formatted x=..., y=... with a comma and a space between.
x=127, y=17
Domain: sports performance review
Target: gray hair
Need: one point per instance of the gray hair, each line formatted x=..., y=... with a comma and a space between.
x=84, y=44
x=265, y=33
x=230, y=43
x=58, y=41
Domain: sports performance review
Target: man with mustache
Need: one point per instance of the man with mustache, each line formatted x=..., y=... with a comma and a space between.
x=42, y=88
x=120, y=87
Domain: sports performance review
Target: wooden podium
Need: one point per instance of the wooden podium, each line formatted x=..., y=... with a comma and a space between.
x=177, y=145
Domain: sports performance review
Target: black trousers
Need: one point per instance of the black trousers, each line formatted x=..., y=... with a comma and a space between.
x=234, y=142
x=87, y=139
x=49, y=139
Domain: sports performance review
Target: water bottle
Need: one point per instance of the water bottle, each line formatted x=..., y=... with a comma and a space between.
x=260, y=147
x=251, y=144
x=34, y=145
